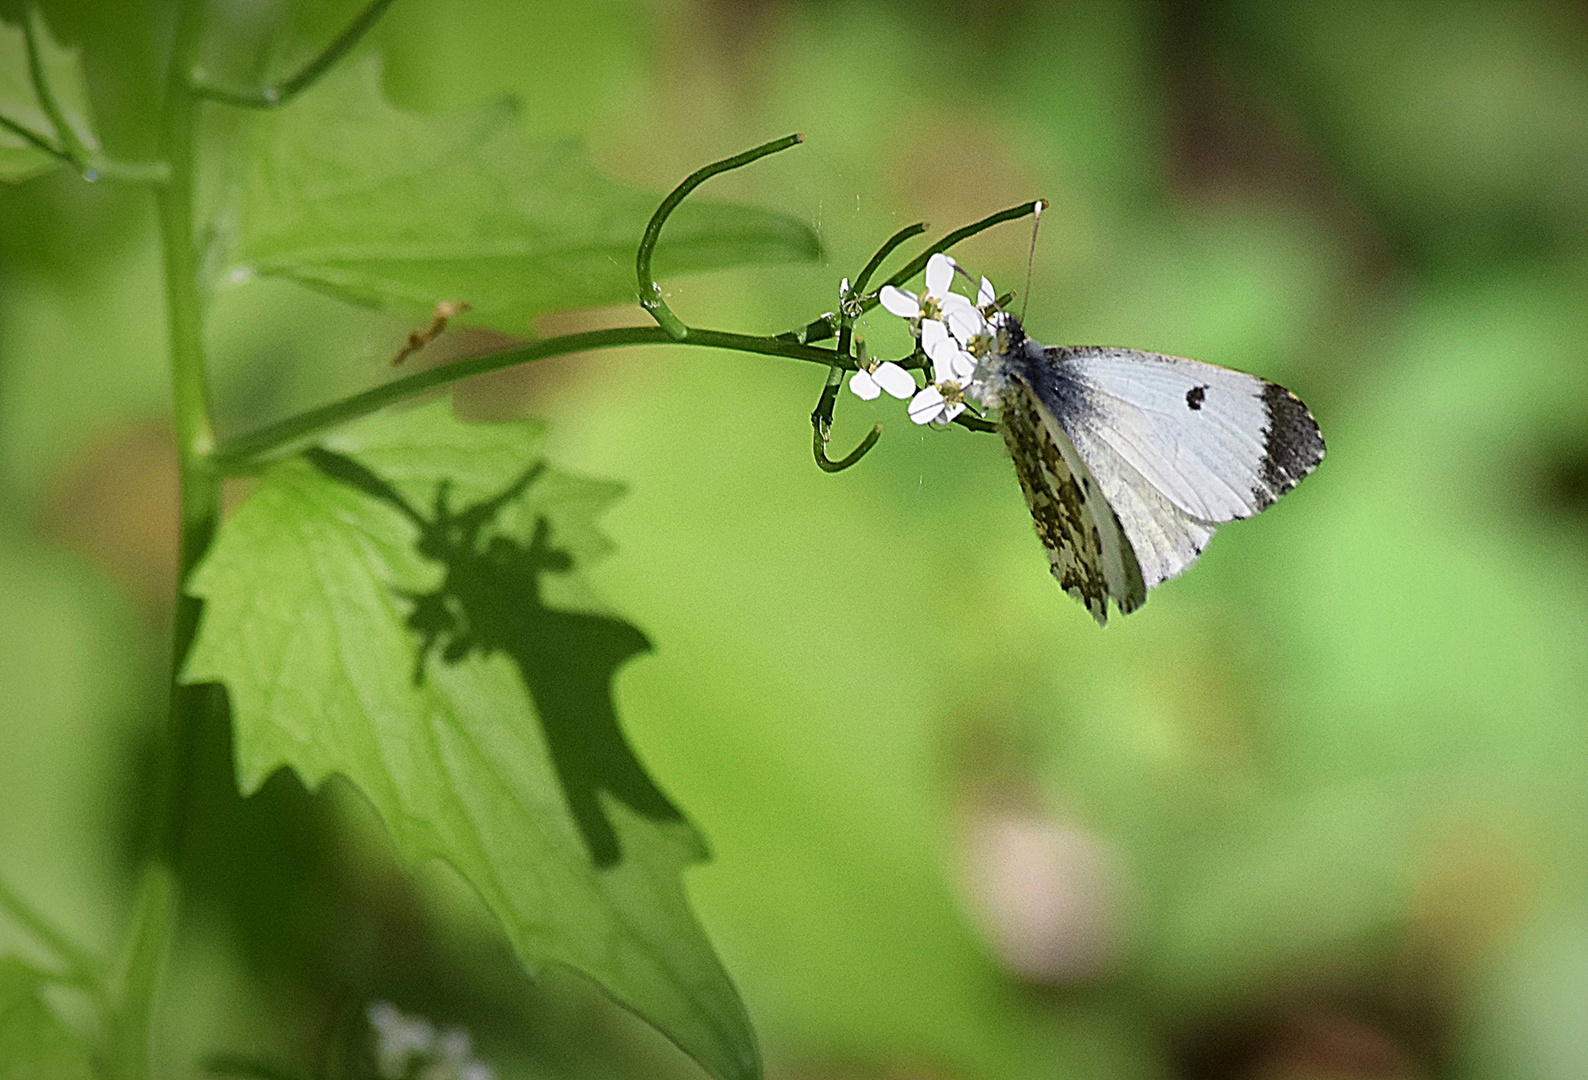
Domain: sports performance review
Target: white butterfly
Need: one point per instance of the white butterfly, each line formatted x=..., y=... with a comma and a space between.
x=1130, y=460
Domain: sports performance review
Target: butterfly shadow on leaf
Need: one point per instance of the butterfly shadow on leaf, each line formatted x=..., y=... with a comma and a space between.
x=489, y=601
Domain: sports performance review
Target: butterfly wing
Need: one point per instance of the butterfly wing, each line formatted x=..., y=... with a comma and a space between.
x=1217, y=444
x=1087, y=549
x=1175, y=446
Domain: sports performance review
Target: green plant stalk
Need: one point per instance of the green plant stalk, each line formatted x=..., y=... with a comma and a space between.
x=650, y=292
x=156, y=914
x=238, y=455
x=823, y=328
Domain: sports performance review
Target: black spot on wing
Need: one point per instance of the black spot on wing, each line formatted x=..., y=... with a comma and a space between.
x=1292, y=445
x=1195, y=396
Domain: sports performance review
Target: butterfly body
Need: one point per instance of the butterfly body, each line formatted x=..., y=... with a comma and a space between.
x=1129, y=460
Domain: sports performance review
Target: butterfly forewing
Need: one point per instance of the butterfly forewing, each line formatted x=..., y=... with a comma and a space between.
x=1087, y=550
x=1218, y=444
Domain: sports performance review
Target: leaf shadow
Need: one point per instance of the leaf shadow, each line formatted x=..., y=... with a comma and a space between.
x=489, y=601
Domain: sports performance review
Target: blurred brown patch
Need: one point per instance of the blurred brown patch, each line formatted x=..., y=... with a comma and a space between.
x=1330, y=1044
x=115, y=504
x=1477, y=877
x=1228, y=140
x=1308, y=1043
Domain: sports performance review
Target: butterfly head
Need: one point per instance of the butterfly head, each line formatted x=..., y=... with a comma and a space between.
x=1008, y=341
x=1010, y=334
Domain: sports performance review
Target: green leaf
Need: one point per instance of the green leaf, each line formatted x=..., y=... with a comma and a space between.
x=346, y=193
x=63, y=67
x=34, y=1044
x=398, y=606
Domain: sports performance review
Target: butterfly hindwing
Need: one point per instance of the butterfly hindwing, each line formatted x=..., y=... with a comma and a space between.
x=1087, y=549
x=1165, y=539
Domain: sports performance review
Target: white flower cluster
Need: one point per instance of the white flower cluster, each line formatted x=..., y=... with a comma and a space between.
x=955, y=332
x=409, y=1048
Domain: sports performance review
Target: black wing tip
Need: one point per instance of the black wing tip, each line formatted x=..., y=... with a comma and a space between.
x=1292, y=445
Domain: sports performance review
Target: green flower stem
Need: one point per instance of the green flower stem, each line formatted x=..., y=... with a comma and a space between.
x=155, y=918
x=917, y=264
x=824, y=328
x=274, y=96
x=887, y=248
x=85, y=969
x=650, y=292
x=153, y=173
x=822, y=415
x=242, y=453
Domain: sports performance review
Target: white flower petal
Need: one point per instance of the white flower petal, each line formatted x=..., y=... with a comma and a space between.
x=943, y=353
x=864, y=386
x=986, y=294
x=952, y=364
x=925, y=406
x=933, y=335
x=964, y=322
x=955, y=302
x=900, y=303
x=951, y=411
x=962, y=368
x=939, y=274
x=843, y=288
x=894, y=379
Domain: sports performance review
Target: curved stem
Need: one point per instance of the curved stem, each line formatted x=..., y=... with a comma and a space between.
x=238, y=454
x=822, y=329
x=917, y=264
x=848, y=302
x=278, y=94
x=826, y=464
x=650, y=292
x=885, y=250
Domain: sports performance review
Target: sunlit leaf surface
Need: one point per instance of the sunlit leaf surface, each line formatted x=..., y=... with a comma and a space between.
x=398, y=607
x=380, y=206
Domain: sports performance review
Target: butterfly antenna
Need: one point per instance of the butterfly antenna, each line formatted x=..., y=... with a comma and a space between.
x=1031, y=256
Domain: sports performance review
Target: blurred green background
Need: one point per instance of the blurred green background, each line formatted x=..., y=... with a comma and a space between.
x=1316, y=811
